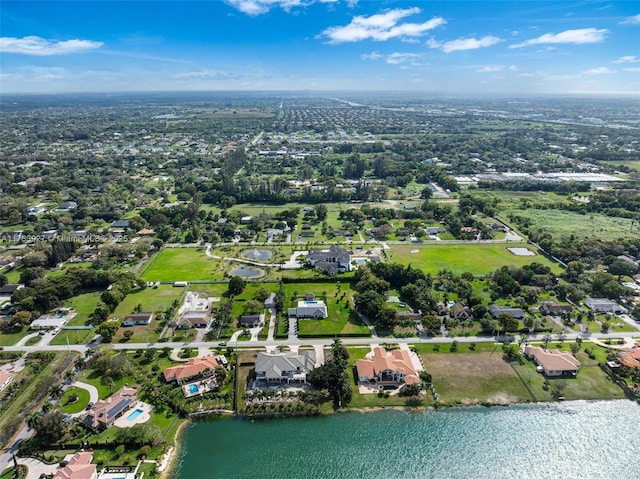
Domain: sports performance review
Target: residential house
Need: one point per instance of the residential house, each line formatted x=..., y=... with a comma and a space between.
x=104, y=413
x=146, y=232
x=460, y=311
x=408, y=315
x=387, y=368
x=553, y=309
x=434, y=230
x=604, y=305
x=193, y=319
x=7, y=291
x=496, y=311
x=552, y=361
x=137, y=319
x=249, y=320
x=120, y=224
x=333, y=260
x=79, y=467
x=5, y=379
x=189, y=370
x=67, y=206
x=309, y=309
x=284, y=368
x=630, y=358
x=270, y=302
x=246, y=220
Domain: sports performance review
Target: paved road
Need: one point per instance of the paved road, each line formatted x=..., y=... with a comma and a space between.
x=328, y=341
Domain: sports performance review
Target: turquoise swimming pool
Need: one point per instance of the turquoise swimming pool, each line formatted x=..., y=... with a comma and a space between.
x=134, y=415
x=193, y=389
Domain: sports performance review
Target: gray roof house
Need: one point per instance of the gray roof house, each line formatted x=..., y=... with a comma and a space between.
x=604, y=305
x=137, y=319
x=496, y=311
x=331, y=261
x=250, y=320
x=309, y=309
x=283, y=368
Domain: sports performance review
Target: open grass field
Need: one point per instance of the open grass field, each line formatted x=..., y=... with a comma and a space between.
x=337, y=297
x=474, y=377
x=560, y=223
x=478, y=259
x=182, y=264
x=9, y=339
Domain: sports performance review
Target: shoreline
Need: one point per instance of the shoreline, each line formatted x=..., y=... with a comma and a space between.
x=173, y=450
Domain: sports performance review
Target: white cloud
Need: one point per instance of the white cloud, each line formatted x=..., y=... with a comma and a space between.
x=634, y=20
x=464, y=43
x=576, y=37
x=258, y=7
x=42, y=47
x=526, y=75
x=397, y=58
x=513, y=68
x=382, y=26
x=598, y=71
x=490, y=69
x=632, y=69
x=627, y=59
x=371, y=56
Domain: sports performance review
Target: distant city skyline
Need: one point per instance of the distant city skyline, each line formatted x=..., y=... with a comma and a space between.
x=458, y=47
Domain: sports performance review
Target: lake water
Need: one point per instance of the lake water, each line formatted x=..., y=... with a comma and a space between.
x=577, y=439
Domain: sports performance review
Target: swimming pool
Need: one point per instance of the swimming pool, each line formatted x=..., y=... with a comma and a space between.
x=134, y=415
x=193, y=389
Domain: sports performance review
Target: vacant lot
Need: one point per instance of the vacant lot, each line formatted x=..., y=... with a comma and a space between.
x=478, y=259
x=474, y=377
x=562, y=223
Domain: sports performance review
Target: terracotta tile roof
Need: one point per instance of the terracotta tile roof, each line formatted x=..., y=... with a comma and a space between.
x=191, y=368
x=78, y=467
x=552, y=359
x=397, y=360
x=105, y=411
x=630, y=357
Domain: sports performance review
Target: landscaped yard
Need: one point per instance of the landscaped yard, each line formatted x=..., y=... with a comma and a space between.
x=478, y=259
x=9, y=339
x=74, y=407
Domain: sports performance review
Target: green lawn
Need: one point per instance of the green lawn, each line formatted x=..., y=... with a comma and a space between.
x=182, y=264
x=478, y=259
x=77, y=406
x=9, y=339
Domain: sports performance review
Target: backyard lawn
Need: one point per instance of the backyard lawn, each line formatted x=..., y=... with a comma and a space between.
x=478, y=259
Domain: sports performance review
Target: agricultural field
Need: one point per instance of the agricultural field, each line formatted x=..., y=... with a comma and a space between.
x=565, y=224
x=478, y=259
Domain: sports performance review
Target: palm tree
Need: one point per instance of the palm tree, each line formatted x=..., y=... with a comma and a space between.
x=69, y=375
x=81, y=363
x=34, y=420
x=56, y=390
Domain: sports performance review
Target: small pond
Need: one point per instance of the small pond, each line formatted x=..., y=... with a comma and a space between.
x=246, y=271
x=256, y=254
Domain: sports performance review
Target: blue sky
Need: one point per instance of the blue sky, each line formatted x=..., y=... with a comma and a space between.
x=453, y=46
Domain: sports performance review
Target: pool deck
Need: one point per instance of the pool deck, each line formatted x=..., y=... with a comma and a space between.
x=142, y=418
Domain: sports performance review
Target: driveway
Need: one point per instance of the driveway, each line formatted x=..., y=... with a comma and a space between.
x=93, y=391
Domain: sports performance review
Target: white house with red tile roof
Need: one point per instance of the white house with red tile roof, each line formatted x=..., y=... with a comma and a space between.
x=192, y=368
x=382, y=367
x=104, y=412
x=552, y=361
x=79, y=467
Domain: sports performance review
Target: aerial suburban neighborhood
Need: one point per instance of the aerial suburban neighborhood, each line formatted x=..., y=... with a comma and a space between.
x=167, y=260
